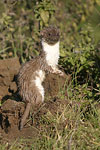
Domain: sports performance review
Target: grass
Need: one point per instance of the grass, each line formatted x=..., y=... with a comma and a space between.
x=75, y=126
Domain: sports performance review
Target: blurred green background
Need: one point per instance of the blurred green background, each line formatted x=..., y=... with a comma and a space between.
x=21, y=21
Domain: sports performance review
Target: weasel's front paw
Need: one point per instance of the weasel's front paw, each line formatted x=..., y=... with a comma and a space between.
x=60, y=73
x=57, y=71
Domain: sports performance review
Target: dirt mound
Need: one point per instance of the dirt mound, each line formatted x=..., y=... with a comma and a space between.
x=8, y=69
x=12, y=109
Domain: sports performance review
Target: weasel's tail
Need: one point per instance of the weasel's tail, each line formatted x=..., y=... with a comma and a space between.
x=25, y=115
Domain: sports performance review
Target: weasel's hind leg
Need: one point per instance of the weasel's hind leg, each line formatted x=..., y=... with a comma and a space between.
x=25, y=115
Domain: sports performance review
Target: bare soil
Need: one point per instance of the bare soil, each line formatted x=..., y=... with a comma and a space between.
x=12, y=107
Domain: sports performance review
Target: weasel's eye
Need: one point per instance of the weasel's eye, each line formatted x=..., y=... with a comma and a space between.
x=49, y=34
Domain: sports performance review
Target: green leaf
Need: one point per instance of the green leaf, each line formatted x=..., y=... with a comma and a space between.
x=45, y=16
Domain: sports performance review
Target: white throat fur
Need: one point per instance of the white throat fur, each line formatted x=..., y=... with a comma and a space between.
x=52, y=53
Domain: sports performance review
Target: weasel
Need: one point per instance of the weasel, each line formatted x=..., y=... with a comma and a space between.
x=32, y=73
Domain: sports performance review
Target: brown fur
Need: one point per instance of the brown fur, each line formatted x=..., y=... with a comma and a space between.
x=53, y=35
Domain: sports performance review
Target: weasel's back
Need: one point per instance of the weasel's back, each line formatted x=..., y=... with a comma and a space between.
x=26, y=74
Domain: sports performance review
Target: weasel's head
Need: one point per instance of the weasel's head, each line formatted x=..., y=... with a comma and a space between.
x=50, y=35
